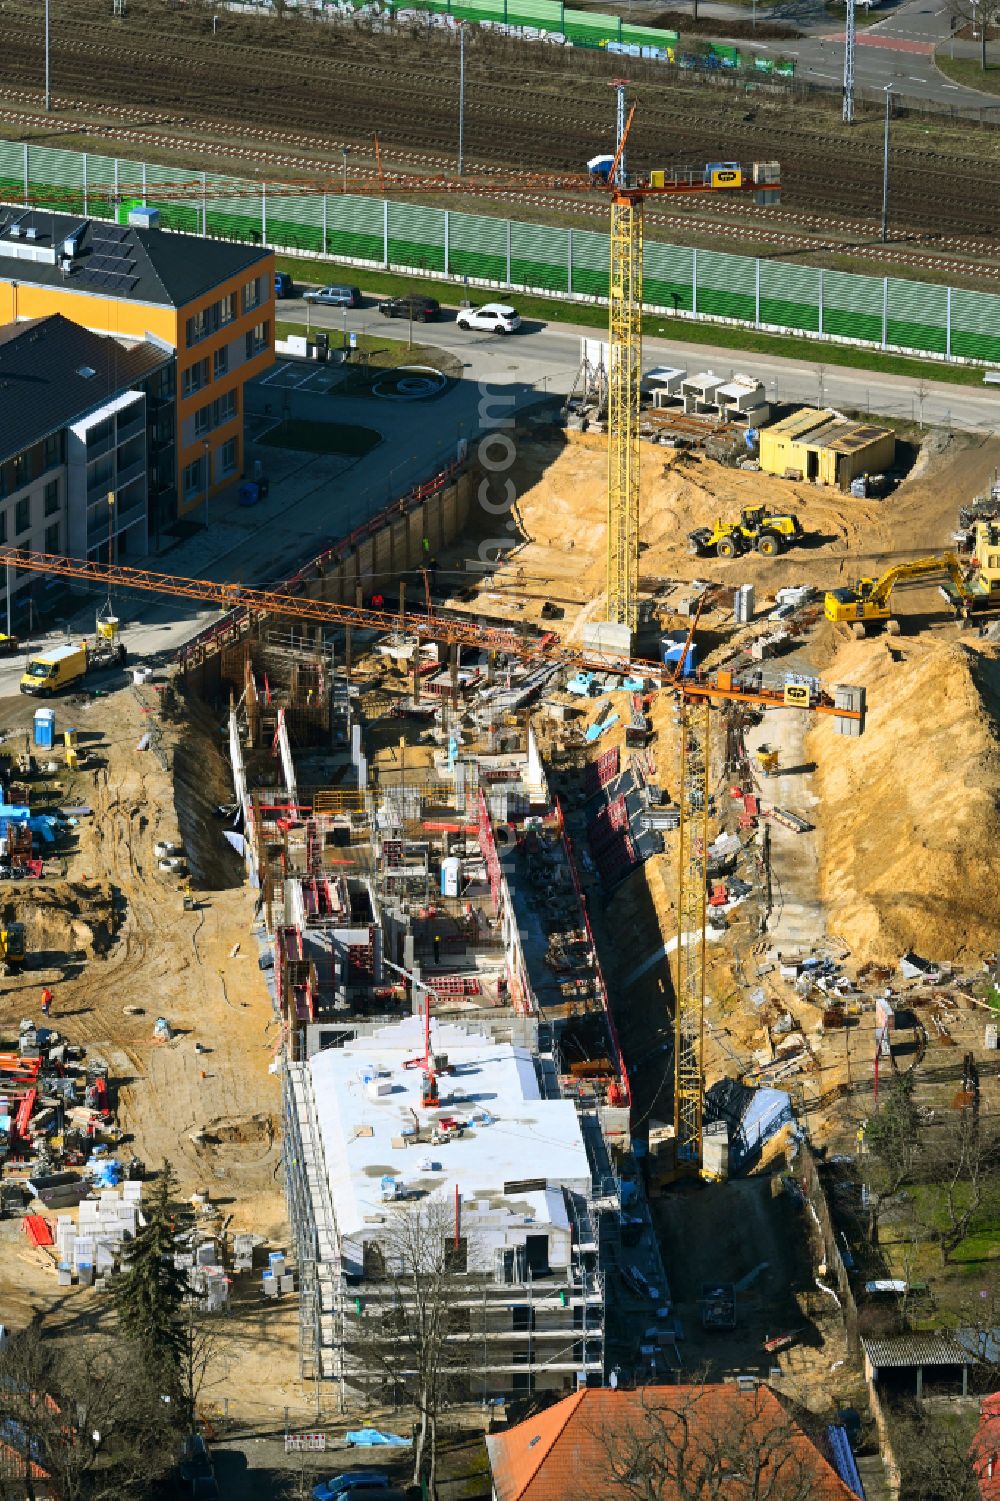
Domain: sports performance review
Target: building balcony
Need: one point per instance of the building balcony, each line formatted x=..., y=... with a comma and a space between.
x=131, y=425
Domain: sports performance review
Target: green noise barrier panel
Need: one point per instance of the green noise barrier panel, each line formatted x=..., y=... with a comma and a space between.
x=511, y=254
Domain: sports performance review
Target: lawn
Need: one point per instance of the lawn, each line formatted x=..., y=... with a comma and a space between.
x=590, y=315
x=955, y=1286
x=966, y=70
x=322, y=437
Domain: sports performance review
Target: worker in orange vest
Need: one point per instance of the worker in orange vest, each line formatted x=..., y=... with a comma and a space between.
x=46, y=1001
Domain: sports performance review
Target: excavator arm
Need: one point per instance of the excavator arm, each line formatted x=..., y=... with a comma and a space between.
x=946, y=562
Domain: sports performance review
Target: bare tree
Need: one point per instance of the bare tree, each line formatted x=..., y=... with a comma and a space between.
x=407, y=1337
x=962, y=1155
x=706, y=1443
x=891, y=1146
x=935, y=1459
x=977, y=14
x=86, y=1416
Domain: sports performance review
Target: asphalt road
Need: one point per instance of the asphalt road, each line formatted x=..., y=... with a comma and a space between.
x=315, y=499
x=542, y=359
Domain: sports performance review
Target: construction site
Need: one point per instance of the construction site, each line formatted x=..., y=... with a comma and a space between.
x=582, y=889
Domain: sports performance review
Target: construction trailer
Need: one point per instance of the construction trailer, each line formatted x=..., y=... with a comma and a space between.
x=825, y=448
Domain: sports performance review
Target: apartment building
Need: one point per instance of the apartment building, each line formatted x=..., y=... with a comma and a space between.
x=210, y=301
x=78, y=440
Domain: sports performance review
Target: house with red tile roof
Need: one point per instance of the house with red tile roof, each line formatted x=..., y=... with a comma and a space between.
x=662, y=1443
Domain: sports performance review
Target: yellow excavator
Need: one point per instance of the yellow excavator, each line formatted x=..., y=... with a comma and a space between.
x=867, y=601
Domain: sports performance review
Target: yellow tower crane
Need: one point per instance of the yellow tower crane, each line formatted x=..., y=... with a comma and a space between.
x=625, y=336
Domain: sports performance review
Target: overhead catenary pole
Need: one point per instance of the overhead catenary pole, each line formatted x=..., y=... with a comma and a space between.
x=48, y=76
x=885, y=165
x=461, y=100
x=849, y=33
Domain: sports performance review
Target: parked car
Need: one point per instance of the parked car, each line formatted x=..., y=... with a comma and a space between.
x=411, y=305
x=283, y=285
x=491, y=318
x=334, y=295
x=352, y=1480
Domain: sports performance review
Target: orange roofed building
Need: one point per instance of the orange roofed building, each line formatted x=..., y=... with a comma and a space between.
x=671, y=1442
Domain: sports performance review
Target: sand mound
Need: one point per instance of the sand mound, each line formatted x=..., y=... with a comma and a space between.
x=71, y=917
x=562, y=507
x=910, y=853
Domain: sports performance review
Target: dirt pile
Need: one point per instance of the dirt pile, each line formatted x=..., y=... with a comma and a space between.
x=562, y=508
x=910, y=850
x=76, y=918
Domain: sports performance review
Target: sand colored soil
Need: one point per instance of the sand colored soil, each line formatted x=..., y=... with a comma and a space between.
x=909, y=815
x=562, y=509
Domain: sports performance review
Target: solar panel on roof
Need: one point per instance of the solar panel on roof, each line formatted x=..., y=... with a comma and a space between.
x=111, y=232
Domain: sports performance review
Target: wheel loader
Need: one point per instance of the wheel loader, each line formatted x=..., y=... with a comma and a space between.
x=756, y=530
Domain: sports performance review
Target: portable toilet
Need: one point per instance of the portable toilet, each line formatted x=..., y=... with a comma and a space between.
x=45, y=728
x=450, y=870
x=671, y=649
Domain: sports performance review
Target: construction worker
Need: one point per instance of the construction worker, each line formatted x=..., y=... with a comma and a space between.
x=46, y=1002
x=437, y=948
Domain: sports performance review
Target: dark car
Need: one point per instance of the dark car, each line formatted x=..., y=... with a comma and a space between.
x=283, y=284
x=414, y=305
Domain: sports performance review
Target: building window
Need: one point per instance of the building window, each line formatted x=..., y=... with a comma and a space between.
x=220, y=362
x=22, y=516
x=51, y=497
x=227, y=309
x=52, y=538
x=193, y=481
x=257, y=339
x=53, y=450
x=20, y=470
x=203, y=419
x=227, y=459
x=522, y=1318
x=3, y=527
x=194, y=377
x=225, y=408
x=252, y=294
x=197, y=328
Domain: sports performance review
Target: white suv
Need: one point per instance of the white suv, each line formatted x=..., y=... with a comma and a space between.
x=491, y=318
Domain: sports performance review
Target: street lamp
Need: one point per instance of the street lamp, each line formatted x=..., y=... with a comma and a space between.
x=461, y=99
x=885, y=166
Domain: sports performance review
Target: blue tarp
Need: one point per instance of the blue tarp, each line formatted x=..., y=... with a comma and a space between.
x=843, y=1459
x=375, y=1437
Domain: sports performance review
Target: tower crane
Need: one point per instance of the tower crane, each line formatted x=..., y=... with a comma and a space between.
x=696, y=696
x=628, y=194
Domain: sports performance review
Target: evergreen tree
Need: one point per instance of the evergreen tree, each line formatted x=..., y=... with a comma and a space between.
x=150, y=1291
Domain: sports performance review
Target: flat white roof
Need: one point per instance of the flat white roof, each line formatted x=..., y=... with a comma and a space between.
x=512, y=1134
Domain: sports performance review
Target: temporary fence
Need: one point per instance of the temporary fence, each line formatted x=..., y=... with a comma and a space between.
x=884, y=312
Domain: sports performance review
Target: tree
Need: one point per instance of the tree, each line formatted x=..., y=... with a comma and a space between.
x=707, y=1443
x=935, y=1459
x=406, y=1337
x=961, y=1161
x=150, y=1292
x=891, y=1142
x=83, y=1421
x=977, y=14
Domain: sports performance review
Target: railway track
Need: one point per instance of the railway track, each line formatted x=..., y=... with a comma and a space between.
x=407, y=93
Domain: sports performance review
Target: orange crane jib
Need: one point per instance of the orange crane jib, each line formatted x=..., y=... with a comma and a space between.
x=437, y=628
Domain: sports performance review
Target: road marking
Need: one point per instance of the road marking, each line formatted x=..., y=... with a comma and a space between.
x=950, y=86
x=914, y=79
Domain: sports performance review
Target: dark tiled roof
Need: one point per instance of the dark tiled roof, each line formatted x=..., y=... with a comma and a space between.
x=139, y=265
x=903, y=1350
x=41, y=385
